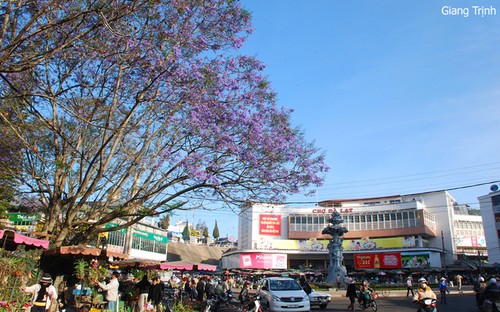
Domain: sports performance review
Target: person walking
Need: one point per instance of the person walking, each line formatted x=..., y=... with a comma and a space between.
x=409, y=286
x=156, y=294
x=443, y=289
x=459, y=279
x=200, y=288
x=210, y=288
x=305, y=285
x=111, y=290
x=351, y=294
x=143, y=290
x=44, y=294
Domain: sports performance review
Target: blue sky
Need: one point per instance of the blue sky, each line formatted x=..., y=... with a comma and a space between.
x=401, y=97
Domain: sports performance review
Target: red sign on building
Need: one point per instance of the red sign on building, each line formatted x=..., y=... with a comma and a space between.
x=378, y=261
x=270, y=224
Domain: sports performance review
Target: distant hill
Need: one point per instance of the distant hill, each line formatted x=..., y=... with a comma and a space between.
x=195, y=253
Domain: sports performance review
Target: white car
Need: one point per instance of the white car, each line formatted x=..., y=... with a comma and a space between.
x=319, y=299
x=279, y=294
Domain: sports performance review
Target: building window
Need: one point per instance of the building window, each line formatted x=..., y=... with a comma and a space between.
x=497, y=217
x=495, y=200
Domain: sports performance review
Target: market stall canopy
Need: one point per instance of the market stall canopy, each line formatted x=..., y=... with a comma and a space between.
x=10, y=240
x=187, y=266
x=84, y=251
x=60, y=260
x=136, y=263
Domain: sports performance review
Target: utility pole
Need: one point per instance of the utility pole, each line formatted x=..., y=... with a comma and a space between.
x=443, y=252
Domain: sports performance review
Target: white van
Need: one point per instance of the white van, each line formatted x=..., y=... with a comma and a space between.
x=283, y=294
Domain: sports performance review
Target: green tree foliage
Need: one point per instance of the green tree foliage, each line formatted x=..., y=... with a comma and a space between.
x=164, y=222
x=215, y=232
x=205, y=232
x=127, y=108
x=185, y=233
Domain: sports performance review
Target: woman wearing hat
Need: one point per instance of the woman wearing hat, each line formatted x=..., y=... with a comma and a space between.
x=43, y=294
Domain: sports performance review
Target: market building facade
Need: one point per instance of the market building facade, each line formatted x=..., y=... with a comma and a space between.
x=425, y=230
x=490, y=210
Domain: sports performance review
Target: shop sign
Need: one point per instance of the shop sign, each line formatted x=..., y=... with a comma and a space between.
x=270, y=224
x=415, y=259
x=331, y=210
x=263, y=261
x=22, y=217
x=150, y=236
x=112, y=224
x=378, y=261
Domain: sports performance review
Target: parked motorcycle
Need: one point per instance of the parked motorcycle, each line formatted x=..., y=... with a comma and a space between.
x=230, y=304
x=427, y=305
x=168, y=300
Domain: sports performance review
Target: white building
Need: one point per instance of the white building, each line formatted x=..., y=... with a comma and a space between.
x=490, y=211
x=426, y=230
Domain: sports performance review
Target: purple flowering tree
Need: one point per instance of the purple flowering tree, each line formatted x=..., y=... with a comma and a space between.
x=137, y=108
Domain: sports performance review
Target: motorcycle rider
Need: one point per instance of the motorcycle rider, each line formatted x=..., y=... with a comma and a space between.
x=365, y=291
x=491, y=297
x=424, y=291
x=244, y=297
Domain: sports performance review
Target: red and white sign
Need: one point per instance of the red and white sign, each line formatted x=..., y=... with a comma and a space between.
x=270, y=224
x=263, y=261
x=378, y=261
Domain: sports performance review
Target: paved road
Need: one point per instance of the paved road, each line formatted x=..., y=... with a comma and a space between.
x=398, y=302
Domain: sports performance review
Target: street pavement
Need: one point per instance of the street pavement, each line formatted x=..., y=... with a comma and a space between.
x=397, y=301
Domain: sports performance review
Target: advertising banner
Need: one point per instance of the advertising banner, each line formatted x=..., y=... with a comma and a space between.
x=378, y=261
x=317, y=245
x=470, y=241
x=263, y=261
x=270, y=224
x=366, y=243
x=415, y=259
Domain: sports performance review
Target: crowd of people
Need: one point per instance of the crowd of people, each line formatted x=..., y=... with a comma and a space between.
x=147, y=293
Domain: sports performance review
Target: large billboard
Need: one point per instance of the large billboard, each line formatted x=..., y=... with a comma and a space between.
x=316, y=245
x=415, y=260
x=270, y=224
x=263, y=261
x=470, y=241
x=378, y=261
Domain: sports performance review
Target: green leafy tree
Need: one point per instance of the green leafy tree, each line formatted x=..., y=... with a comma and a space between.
x=164, y=222
x=215, y=232
x=205, y=232
x=127, y=108
x=185, y=233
